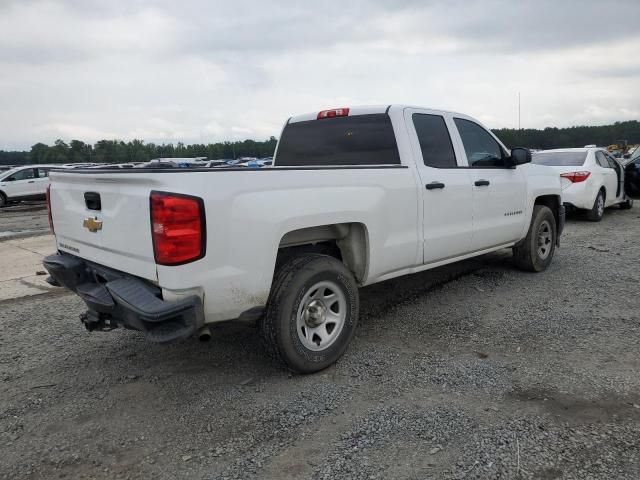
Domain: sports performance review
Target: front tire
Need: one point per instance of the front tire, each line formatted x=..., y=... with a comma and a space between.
x=597, y=211
x=535, y=252
x=312, y=313
x=3, y=200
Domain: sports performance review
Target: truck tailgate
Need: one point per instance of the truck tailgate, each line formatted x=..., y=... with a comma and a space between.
x=118, y=233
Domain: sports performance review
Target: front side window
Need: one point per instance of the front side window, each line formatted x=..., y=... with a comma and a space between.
x=355, y=140
x=25, y=174
x=481, y=148
x=435, y=142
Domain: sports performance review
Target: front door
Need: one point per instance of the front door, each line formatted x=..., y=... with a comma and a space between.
x=21, y=184
x=499, y=191
x=632, y=179
x=446, y=188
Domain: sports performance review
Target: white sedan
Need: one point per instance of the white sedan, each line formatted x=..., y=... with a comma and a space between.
x=592, y=180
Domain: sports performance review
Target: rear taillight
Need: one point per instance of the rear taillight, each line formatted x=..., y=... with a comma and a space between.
x=576, y=177
x=177, y=228
x=48, y=197
x=336, y=112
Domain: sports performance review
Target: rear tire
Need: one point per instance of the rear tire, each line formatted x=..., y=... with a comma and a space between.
x=535, y=252
x=627, y=204
x=597, y=211
x=3, y=200
x=312, y=313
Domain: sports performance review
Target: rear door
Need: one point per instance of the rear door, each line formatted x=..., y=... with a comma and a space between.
x=446, y=186
x=41, y=180
x=617, y=167
x=610, y=177
x=499, y=192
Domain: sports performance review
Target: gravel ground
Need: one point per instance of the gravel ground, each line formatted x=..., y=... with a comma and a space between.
x=471, y=371
x=26, y=218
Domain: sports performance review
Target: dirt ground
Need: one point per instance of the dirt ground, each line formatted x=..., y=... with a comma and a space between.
x=476, y=370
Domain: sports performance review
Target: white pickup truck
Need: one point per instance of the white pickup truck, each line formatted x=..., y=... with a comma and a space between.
x=355, y=196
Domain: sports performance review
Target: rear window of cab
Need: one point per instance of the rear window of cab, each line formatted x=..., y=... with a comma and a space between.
x=352, y=140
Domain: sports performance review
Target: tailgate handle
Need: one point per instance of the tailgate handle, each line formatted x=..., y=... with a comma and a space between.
x=92, y=200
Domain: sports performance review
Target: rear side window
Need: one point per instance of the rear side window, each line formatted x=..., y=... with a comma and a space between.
x=612, y=162
x=356, y=140
x=602, y=160
x=435, y=142
x=559, y=159
x=481, y=148
x=43, y=172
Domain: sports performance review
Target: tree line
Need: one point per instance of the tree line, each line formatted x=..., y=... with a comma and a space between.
x=118, y=151
x=552, y=137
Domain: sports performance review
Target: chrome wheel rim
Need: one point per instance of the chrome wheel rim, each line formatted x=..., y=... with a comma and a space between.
x=321, y=316
x=545, y=240
x=600, y=205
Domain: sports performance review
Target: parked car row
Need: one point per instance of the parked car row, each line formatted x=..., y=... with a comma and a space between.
x=29, y=182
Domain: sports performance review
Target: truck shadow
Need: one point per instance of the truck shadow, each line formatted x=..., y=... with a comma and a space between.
x=236, y=347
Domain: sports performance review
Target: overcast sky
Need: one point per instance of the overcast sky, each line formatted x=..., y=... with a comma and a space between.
x=206, y=71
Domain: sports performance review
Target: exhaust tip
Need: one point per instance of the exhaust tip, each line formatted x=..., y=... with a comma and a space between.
x=204, y=335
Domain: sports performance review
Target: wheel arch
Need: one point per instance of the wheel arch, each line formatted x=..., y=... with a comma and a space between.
x=554, y=202
x=348, y=242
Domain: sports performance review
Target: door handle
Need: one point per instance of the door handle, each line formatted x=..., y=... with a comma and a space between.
x=31, y=181
x=434, y=185
x=482, y=183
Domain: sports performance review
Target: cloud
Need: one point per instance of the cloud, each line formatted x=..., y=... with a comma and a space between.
x=201, y=71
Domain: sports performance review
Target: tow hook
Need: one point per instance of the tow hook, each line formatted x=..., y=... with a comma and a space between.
x=97, y=322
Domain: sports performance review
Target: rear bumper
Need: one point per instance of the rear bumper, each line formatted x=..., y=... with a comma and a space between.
x=116, y=299
x=580, y=195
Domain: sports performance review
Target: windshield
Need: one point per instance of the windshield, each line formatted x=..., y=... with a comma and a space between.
x=8, y=173
x=559, y=159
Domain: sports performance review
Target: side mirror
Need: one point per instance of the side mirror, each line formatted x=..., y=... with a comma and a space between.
x=519, y=156
x=632, y=180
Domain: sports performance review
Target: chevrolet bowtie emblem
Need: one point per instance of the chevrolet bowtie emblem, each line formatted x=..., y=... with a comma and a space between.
x=92, y=224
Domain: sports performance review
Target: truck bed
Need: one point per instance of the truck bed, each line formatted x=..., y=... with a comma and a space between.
x=248, y=211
